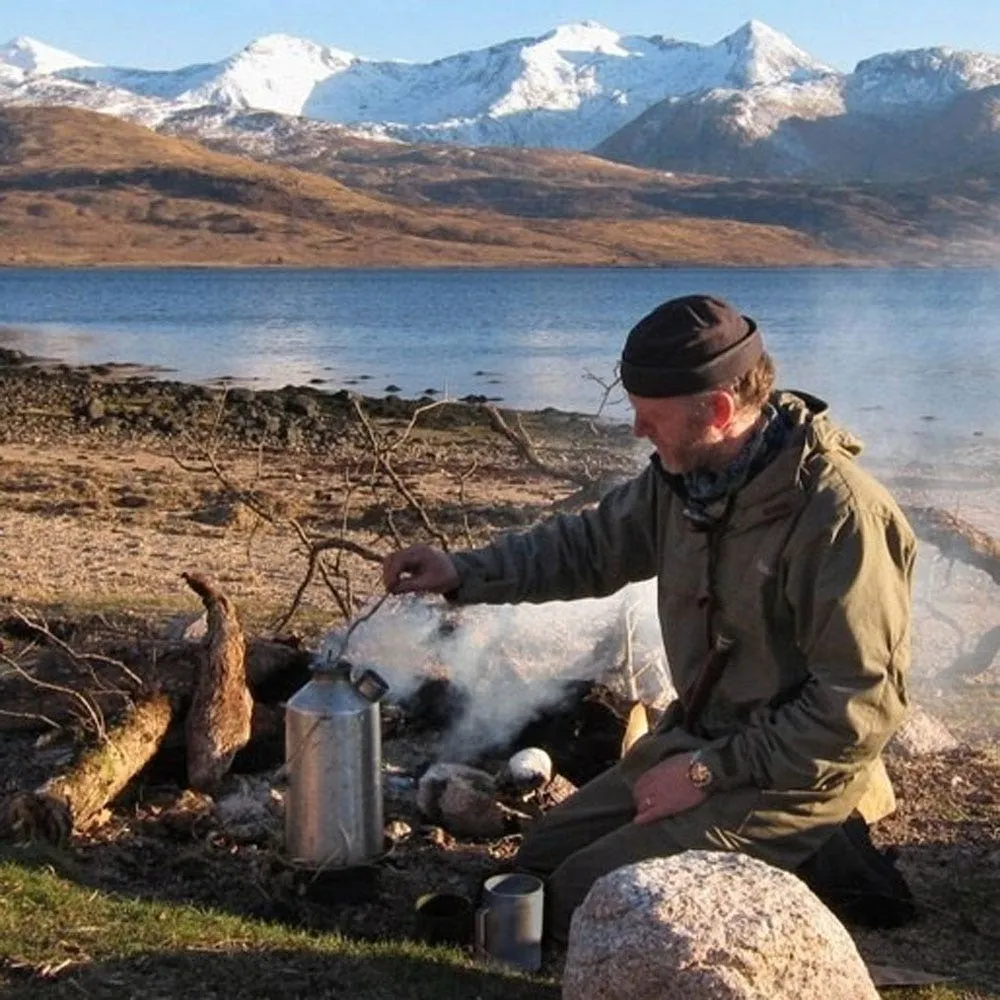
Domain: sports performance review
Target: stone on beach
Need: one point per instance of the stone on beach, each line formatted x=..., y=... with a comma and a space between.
x=920, y=735
x=709, y=926
x=462, y=799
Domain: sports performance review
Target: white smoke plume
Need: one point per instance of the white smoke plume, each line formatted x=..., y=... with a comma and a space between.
x=511, y=660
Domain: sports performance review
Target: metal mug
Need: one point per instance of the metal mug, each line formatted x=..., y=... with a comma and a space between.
x=509, y=922
x=444, y=918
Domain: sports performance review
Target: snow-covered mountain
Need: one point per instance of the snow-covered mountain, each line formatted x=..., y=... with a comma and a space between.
x=752, y=104
x=571, y=87
x=31, y=58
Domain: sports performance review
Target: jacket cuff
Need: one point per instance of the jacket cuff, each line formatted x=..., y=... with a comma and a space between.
x=473, y=585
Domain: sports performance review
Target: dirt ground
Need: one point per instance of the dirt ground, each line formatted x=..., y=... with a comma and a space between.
x=111, y=486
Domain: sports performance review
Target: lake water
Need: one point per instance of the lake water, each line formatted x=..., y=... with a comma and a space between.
x=910, y=359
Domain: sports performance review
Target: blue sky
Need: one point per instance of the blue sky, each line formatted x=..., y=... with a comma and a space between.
x=172, y=33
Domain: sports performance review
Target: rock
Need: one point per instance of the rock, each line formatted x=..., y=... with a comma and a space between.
x=303, y=405
x=95, y=410
x=921, y=735
x=462, y=799
x=526, y=771
x=251, y=811
x=709, y=926
x=186, y=628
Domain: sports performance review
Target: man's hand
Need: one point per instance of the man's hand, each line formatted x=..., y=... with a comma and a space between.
x=419, y=568
x=666, y=789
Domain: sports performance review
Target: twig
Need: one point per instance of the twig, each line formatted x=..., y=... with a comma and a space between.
x=381, y=458
x=89, y=706
x=30, y=715
x=526, y=447
x=357, y=621
x=81, y=659
x=417, y=413
x=607, y=387
x=463, y=478
x=315, y=550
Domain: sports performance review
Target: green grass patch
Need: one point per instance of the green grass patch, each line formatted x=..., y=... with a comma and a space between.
x=60, y=940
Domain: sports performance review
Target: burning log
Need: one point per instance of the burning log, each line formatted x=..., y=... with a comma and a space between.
x=957, y=539
x=218, y=723
x=72, y=800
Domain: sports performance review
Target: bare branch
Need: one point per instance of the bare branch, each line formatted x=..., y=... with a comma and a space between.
x=416, y=415
x=606, y=387
x=381, y=457
x=526, y=447
x=80, y=659
x=91, y=709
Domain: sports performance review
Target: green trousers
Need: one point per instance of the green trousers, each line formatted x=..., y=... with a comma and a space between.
x=592, y=833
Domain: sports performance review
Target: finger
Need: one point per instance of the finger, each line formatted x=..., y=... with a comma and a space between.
x=646, y=816
x=642, y=788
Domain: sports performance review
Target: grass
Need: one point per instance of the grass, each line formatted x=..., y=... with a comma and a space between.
x=60, y=940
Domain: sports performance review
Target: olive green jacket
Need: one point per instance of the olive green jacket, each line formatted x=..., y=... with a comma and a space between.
x=808, y=576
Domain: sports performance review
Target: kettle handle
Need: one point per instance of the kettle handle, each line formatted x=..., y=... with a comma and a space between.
x=372, y=686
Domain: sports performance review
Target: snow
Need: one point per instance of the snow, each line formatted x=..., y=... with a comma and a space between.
x=918, y=79
x=35, y=58
x=572, y=87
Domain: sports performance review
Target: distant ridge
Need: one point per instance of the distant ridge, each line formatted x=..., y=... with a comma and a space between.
x=82, y=188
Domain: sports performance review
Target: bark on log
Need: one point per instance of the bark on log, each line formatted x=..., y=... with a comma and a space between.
x=957, y=539
x=70, y=801
x=218, y=722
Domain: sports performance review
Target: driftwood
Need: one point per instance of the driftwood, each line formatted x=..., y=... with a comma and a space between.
x=957, y=539
x=218, y=722
x=72, y=800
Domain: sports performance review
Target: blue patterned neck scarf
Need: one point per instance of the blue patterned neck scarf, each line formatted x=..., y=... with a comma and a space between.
x=703, y=487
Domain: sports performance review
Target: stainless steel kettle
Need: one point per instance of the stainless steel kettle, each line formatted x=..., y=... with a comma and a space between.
x=333, y=757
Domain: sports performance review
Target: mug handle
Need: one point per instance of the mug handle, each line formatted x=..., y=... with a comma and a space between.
x=482, y=946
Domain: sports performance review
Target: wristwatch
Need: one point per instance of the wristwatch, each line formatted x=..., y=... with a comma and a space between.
x=699, y=773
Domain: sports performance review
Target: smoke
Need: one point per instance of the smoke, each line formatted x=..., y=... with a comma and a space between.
x=511, y=660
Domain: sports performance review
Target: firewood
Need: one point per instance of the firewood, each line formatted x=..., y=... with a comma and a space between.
x=71, y=801
x=218, y=722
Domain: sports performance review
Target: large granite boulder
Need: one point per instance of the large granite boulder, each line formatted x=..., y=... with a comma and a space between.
x=709, y=926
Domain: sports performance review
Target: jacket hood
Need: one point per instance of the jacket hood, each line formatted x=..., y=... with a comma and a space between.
x=821, y=434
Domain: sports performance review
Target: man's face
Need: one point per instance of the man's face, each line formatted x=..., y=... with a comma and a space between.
x=682, y=429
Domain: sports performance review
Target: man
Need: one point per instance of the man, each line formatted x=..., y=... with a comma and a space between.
x=784, y=576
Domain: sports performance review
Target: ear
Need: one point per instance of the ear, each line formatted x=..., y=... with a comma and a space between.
x=722, y=408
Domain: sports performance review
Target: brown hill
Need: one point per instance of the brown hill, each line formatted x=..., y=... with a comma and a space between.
x=82, y=188
x=951, y=218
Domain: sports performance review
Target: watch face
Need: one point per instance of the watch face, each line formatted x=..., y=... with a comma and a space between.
x=699, y=774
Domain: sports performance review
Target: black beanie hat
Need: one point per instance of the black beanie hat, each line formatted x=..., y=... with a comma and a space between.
x=687, y=345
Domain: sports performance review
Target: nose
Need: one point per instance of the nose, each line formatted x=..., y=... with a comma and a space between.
x=638, y=427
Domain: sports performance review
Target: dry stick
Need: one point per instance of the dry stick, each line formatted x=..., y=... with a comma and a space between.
x=607, y=387
x=248, y=498
x=81, y=659
x=382, y=459
x=462, y=480
x=316, y=549
x=357, y=621
x=630, y=680
x=526, y=447
x=91, y=709
x=417, y=413
x=30, y=716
